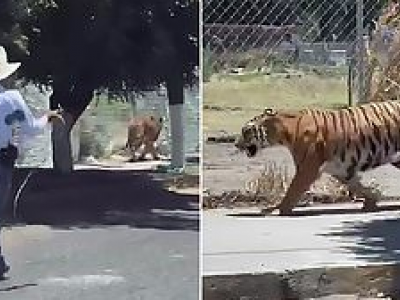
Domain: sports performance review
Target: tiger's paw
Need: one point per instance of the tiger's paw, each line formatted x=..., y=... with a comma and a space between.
x=281, y=211
x=370, y=207
x=285, y=211
x=269, y=211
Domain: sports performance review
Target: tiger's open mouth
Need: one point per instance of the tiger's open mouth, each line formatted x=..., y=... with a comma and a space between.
x=251, y=150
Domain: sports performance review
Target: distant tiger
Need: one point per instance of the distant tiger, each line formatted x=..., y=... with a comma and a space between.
x=340, y=142
x=143, y=131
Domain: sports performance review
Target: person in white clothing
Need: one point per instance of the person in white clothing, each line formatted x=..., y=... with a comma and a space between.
x=17, y=123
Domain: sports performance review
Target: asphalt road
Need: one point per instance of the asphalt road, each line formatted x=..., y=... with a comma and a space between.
x=102, y=235
x=110, y=262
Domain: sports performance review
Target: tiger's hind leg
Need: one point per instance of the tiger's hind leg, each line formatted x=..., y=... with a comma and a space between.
x=153, y=149
x=369, y=194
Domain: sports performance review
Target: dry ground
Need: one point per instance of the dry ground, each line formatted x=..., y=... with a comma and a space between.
x=226, y=170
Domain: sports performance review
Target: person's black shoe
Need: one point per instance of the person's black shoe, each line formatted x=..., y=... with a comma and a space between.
x=3, y=270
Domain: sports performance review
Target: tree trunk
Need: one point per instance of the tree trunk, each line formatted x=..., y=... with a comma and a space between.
x=175, y=90
x=61, y=133
x=62, y=149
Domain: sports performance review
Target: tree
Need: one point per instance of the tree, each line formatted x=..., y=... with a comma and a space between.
x=77, y=47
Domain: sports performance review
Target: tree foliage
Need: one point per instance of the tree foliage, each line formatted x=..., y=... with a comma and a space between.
x=114, y=44
x=78, y=47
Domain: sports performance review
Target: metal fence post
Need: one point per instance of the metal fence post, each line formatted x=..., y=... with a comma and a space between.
x=360, y=54
x=326, y=36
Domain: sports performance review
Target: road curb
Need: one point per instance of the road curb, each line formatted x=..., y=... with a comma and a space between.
x=368, y=281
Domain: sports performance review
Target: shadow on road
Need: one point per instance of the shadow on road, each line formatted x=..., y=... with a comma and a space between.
x=17, y=287
x=377, y=242
x=88, y=198
x=373, y=241
x=314, y=211
x=377, y=239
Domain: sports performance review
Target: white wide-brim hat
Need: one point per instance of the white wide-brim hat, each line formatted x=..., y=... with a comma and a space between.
x=6, y=68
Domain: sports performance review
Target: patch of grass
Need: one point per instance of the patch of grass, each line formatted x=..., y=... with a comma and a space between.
x=258, y=92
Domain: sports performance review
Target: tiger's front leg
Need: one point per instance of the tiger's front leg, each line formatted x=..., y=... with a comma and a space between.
x=133, y=147
x=149, y=148
x=305, y=176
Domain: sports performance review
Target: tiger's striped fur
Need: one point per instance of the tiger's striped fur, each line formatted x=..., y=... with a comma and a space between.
x=340, y=142
x=144, y=131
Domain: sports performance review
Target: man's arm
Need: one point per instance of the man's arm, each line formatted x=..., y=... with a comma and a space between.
x=30, y=125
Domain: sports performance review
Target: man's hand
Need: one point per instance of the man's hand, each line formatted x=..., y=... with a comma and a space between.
x=55, y=115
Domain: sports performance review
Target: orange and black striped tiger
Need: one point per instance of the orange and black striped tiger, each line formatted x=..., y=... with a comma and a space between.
x=340, y=142
x=144, y=131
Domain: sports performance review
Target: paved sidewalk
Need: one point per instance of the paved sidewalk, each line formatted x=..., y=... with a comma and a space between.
x=240, y=243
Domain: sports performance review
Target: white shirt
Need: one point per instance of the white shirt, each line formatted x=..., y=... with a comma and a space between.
x=11, y=101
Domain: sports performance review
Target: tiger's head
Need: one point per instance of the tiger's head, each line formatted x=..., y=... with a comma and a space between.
x=258, y=133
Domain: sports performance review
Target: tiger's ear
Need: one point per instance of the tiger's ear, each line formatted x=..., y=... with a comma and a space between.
x=270, y=112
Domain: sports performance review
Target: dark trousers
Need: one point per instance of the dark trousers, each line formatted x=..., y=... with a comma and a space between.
x=5, y=191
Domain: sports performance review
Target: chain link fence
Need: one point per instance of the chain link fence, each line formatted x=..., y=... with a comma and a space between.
x=290, y=38
x=101, y=131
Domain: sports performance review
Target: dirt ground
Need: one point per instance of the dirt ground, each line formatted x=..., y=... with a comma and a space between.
x=226, y=170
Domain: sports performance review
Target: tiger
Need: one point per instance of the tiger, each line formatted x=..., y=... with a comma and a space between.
x=342, y=142
x=143, y=131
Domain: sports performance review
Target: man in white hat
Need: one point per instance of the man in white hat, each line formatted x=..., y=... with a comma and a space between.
x=16, y=124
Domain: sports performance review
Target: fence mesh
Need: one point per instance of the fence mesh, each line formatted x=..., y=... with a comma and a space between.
x=101, y=131
x=297, y=37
